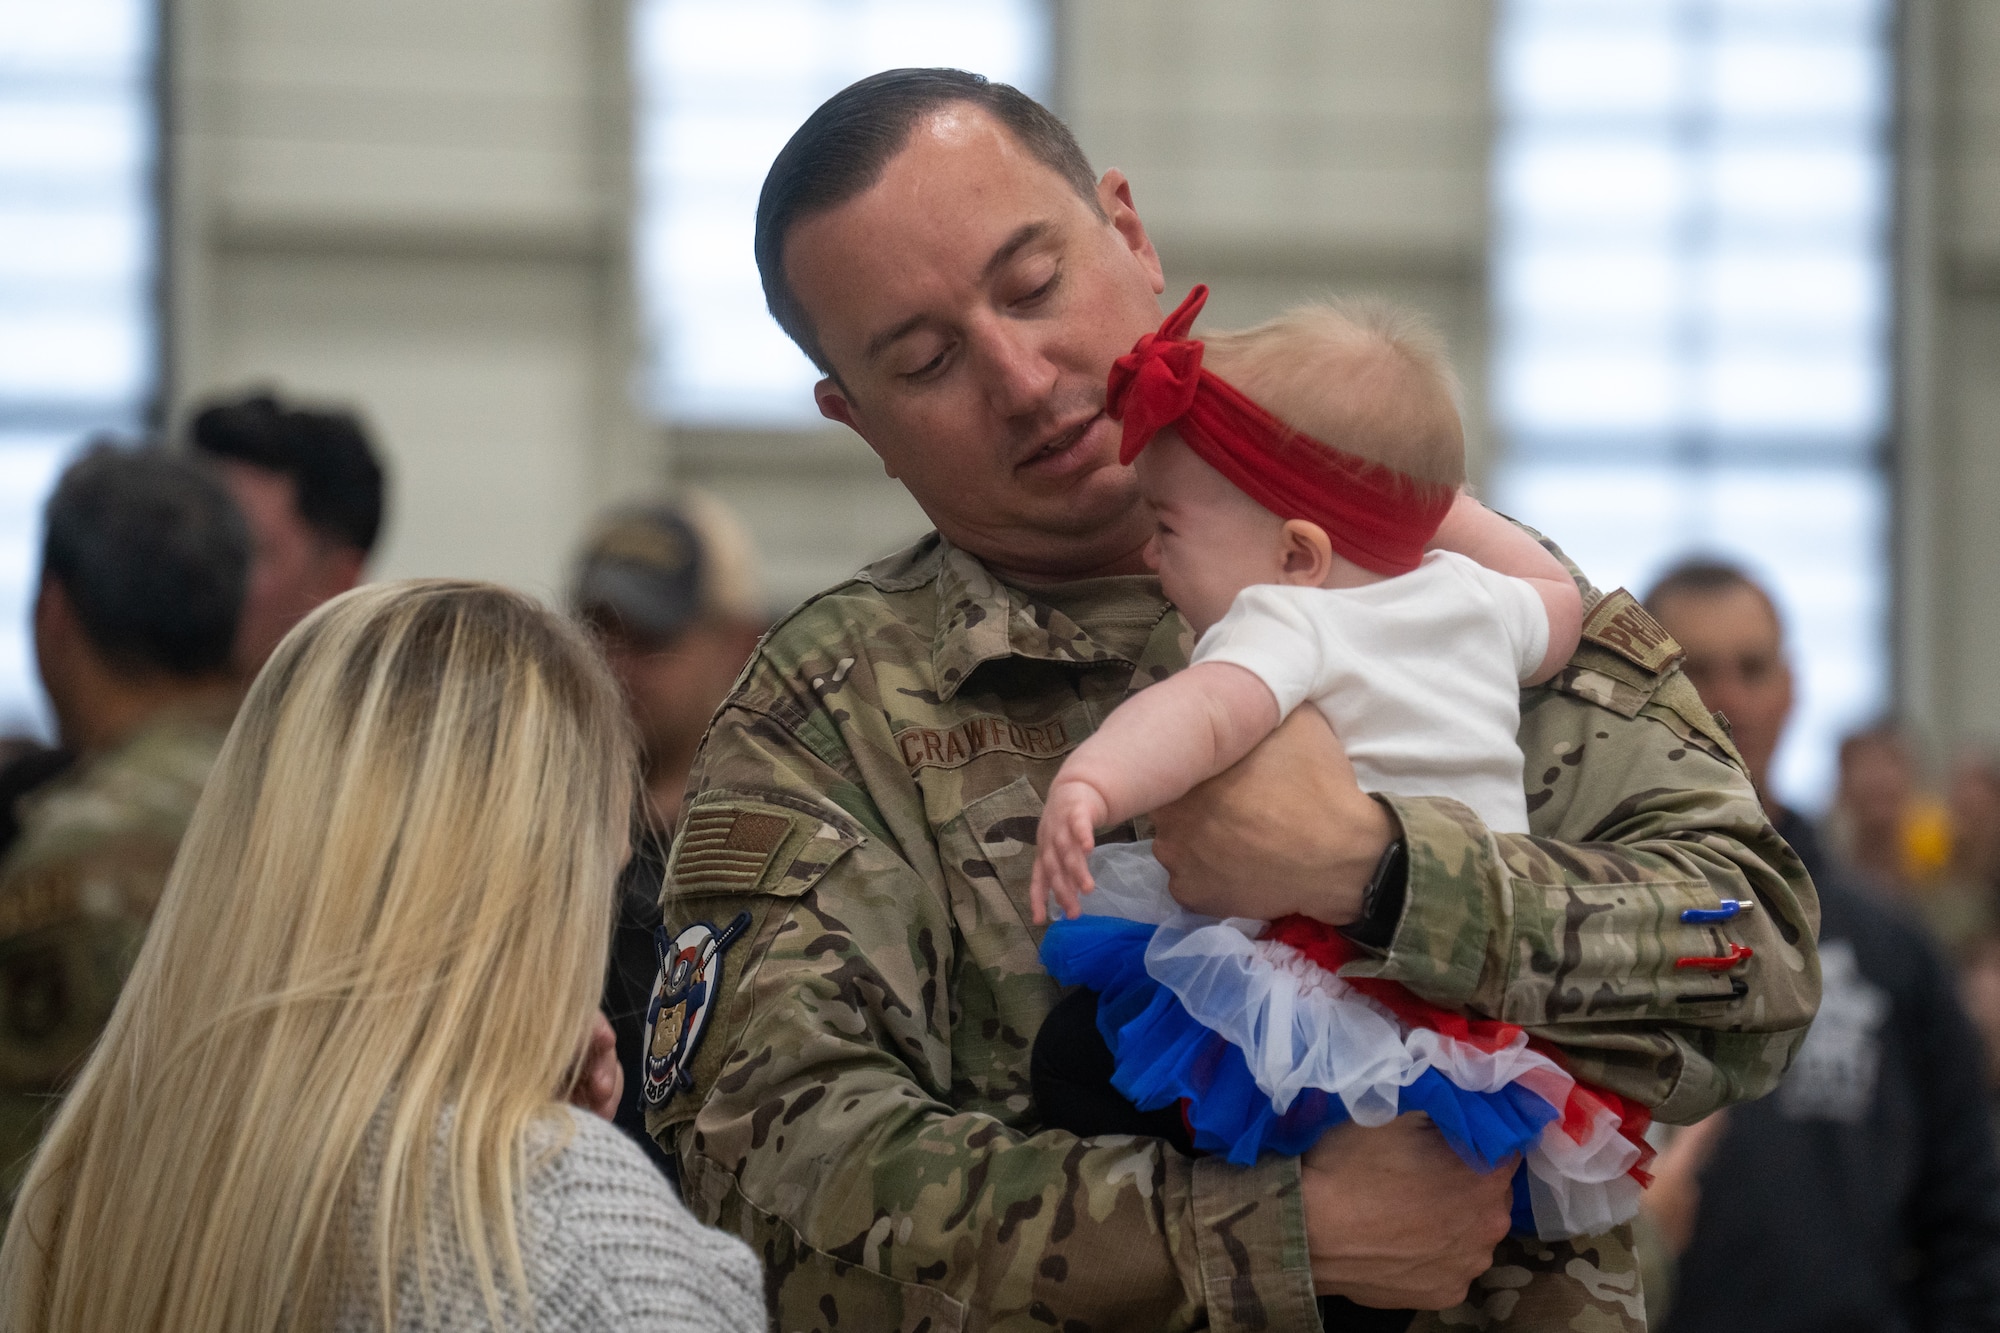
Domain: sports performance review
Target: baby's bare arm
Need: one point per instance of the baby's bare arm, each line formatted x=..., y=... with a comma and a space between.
x=1477, y=533
x=1159, y=745
x=1170, y=737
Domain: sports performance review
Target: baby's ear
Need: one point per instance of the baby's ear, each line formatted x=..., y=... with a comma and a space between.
x=1305, y=556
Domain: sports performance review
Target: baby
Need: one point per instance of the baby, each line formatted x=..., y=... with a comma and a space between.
x=1415, y=656
x=1306, y=476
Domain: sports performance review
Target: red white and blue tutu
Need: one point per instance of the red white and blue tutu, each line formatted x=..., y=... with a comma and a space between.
x=1246, y=1026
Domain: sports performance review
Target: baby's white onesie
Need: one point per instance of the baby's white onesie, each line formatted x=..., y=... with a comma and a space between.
x=1419, y=674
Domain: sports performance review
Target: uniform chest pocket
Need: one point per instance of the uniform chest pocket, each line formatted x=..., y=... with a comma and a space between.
x=999, y=990
x=989, y=853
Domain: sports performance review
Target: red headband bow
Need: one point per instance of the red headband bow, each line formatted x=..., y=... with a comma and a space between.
x=1375, y=517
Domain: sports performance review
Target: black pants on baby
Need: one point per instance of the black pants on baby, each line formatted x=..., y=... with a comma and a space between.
x=1071, y=1068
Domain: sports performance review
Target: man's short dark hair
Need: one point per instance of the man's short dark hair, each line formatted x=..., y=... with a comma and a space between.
x=1706, y=576
x=844, y=146
x=153, y=556
x=324, y=451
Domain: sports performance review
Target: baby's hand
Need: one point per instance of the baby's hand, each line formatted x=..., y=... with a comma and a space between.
x=1062, y=848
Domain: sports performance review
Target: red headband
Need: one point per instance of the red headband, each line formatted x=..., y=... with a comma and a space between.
x=1375, y=517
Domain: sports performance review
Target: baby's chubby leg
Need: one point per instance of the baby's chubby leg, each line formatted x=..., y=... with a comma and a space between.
x=1586, y=1285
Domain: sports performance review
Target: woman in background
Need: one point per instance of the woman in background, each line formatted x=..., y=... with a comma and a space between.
x=330, y=1095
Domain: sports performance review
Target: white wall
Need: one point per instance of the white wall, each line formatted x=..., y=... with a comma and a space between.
x=1948, y=461
x=418, y=207
x=1284, y=149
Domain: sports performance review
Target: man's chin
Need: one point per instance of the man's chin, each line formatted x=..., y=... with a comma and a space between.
x=1095, y=498
x=1097, y=524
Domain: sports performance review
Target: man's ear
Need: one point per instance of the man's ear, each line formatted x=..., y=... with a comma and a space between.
x=58, y=636
x=834, y=406
x=1305, y=556
x=339, y=567
x=54, y=619
x=832, y=402
x=1114, y=196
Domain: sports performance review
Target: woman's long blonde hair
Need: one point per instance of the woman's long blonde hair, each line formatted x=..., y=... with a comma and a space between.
x=395, y=897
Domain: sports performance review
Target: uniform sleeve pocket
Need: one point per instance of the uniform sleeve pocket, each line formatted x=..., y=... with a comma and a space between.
x=1604, y=951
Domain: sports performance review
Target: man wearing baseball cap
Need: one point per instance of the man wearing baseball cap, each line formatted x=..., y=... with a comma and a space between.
x=671, y=590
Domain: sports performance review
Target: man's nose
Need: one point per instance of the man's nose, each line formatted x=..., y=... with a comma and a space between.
x=1019, y=376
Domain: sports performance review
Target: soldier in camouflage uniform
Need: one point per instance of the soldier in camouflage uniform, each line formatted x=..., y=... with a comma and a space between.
x=839, y=1054
x=143, y=572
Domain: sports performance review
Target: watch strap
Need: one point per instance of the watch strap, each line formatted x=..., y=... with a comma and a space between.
x=1382, y=898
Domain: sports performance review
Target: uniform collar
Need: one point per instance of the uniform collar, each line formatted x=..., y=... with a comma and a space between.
x=181, y=738
x=202, y=714
x=980, y=620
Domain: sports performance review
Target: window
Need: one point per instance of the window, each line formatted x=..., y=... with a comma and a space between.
x=722, y=85
x=1692, y=311
x=78, y=329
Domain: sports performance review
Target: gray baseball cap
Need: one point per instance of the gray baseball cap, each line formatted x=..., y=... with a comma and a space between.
x=653, y=569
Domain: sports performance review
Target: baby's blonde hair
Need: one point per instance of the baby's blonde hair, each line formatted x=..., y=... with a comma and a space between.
x=1364, y=377
x=389, y=914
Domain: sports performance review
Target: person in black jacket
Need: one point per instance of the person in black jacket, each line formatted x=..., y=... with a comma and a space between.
x=670, y=591
x=1864, y=1193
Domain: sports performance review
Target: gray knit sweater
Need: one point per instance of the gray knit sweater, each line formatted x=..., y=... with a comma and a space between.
x=606, y=1246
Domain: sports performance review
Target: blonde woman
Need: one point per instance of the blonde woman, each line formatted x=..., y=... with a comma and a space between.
x=330, y=1095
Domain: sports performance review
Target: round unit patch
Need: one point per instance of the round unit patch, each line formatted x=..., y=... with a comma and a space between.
x=683, y=995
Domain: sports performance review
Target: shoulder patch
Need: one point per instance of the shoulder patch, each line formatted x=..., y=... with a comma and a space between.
x=737, y=846
x=725, y=848
x=36, y=899
x=684, y=995
x=1621, y=625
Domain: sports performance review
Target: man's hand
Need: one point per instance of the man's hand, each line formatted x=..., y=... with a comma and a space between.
x=1062, y=848
x=1286, y=830
x=600, y=1079
x=1395, y=1220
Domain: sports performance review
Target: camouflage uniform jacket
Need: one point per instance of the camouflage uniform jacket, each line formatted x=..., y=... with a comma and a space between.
x=76, y=892
x=863, y=813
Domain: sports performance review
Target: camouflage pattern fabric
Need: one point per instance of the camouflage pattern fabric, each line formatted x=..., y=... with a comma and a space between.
x=76, y=893
x=859, y=1105
x=1582, y=1286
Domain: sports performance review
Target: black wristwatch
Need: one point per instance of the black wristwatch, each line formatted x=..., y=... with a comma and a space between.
x=1382, y=899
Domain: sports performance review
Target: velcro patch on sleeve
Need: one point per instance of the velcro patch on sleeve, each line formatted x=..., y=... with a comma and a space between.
x=732, y=846
x=1620, y=624
x=724, y=849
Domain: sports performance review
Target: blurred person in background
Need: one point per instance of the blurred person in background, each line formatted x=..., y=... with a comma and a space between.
x=1972, y=894
x=143, y=571
x=1979, y=986
x=1883, y=824
x=332, y=1094
x=672, y=593
x=311, y=486
x=1963, y=909
x=1864, y=1193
